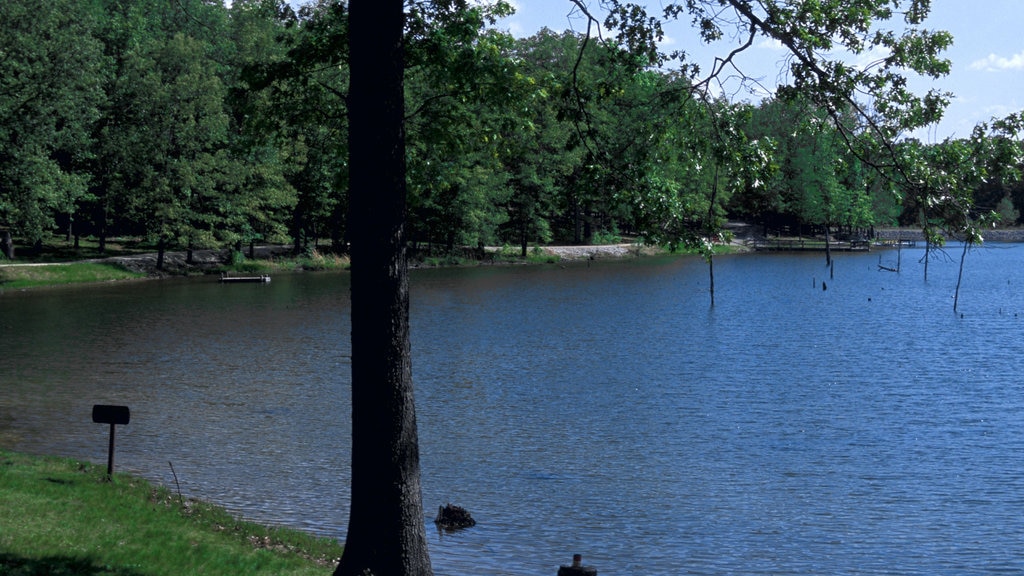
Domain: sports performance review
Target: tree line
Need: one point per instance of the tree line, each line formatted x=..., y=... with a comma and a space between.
x=190, y=124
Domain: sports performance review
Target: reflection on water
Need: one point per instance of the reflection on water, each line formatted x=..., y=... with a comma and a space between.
x=605, y=410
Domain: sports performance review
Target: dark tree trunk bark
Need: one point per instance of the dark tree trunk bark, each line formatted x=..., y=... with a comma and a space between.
x=828, y=246
x=103, y=230
x=960, y=276
x=577, y=221
x=386, y=531
x=711, y=278
x=298, y=221
x=160, y=248
x=899, y=250
x=927, y=256
x=7, y=244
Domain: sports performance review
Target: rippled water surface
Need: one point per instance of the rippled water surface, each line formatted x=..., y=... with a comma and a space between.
x=606, y=410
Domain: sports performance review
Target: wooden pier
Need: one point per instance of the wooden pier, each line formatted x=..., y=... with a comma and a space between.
x=805, y=245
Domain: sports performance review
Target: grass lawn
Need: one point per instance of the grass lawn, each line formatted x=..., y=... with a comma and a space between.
x=62, y=517
x=14, y=277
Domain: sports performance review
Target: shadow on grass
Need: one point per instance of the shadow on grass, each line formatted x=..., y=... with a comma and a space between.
x=12, y=565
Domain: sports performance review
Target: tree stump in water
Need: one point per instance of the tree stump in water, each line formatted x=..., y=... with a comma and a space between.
x=453, y=518
x=577, y=569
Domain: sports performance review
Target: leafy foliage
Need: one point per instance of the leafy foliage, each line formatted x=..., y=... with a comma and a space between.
x=51, y=68
x=191, y=124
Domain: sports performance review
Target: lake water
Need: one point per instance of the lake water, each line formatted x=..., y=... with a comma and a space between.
x=606, y=410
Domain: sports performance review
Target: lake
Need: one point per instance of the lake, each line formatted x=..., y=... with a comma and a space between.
x=604, y=409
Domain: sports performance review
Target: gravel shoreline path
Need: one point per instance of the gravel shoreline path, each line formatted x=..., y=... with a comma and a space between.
x=593, y=252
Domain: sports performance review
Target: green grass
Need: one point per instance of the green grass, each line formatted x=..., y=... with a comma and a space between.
x=321, y=261
x=315, y=261
x=19, y=277
x=60, y=517
x=514, y=255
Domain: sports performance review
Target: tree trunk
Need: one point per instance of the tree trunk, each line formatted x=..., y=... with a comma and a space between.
x=899, y=250
x=523, y=244
x=711, y=278
x=577, y=221
x=7, y=243
x=927, y=256
x=386, y=530
x=160, y=248
x=960, y=276
x=103, y=231
x=828, y=246
x=298, y=221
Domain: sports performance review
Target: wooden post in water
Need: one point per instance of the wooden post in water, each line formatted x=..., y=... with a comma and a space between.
x=577, y=568
x=899, y=250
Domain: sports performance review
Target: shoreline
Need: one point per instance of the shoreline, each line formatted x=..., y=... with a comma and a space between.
x=212, y=261
x=995, y=235
x=196, y=535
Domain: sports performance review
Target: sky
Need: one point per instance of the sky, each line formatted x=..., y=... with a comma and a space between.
x=987, y=75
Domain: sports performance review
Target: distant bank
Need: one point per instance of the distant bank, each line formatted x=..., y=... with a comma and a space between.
x=993, y=235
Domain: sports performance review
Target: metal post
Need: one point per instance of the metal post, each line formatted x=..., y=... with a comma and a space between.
x=110, y=453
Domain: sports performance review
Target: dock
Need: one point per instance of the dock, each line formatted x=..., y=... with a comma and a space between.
x=803, y=245
x=225, y=279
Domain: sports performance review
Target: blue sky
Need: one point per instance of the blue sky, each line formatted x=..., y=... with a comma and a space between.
x=987, y=56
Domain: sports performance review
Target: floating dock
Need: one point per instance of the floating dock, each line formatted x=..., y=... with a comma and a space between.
x=225, y=279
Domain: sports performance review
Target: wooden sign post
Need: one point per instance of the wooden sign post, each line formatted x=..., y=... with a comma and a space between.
x=113, y=415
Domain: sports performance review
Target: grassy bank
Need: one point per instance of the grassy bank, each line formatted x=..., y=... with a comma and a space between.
x=313, y=261
x=63, y=517
x=16, y=277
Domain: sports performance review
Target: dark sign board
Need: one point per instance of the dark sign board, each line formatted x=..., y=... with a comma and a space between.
x=103, y=414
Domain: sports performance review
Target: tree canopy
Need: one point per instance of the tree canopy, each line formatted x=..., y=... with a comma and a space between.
x=195, y=125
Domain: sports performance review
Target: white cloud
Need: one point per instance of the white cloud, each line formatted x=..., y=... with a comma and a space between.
x=515, y=28
x=870, y=58
x=993, y=63
x=1000, y=110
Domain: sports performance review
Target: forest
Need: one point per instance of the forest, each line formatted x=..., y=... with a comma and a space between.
x=189, y=124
